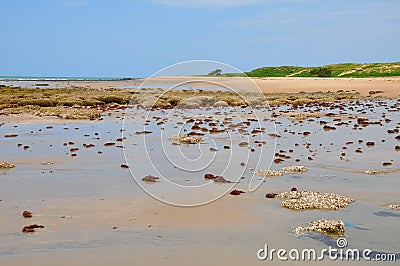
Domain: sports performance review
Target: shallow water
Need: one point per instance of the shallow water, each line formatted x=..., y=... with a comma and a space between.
x=90, y=177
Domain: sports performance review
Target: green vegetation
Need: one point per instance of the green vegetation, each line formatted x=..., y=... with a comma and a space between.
x=216, y=72
x=348, y=70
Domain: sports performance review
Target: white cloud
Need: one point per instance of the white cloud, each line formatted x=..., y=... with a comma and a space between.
x=208, y=3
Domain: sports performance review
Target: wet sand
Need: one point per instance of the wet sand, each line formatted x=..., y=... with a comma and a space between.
x=95, y=213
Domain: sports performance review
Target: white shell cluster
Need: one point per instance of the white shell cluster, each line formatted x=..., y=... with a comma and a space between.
x=310, y=200
x=289, y=169
x=185, y=139
x=269, y=173
x=395, y=207
x=295, y=169
x=6, y=165
x=332, y=228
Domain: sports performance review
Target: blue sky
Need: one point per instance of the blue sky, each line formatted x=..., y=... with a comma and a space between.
x=132, y=38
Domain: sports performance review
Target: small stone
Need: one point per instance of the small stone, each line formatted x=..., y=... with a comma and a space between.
x=221, y=179
x=31, y=228
x=243, y=144
x=209, y=176
x=236, y=192
x=150, y=179
x=271, y=195
x=10, y=135
x=27, y=214
x=124, y=166
x=109, y=144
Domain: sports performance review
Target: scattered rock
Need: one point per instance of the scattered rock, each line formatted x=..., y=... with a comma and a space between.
x=370, y=143
x=271, y=195
x=27, y=214
x=124, y=166
x=243, y=144
x=109, y=144
x=150, y=179
x=31, y=228
x=221, y=179
x=236, y=192
x=10, y=135
x=209, y=176
x=328, y=128
x=143, y=132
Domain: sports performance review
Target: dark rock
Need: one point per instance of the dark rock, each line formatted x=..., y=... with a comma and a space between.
x=328, y=128
x=271, y=195
x=150, y=179
x=27, y=214
x=31, y=228
x=370, y=143
x=221, y=179
x=10, y=135
x=243, y=144
x=236, y=192
x=124, y=166
x=209, y=176
x=293, y=189
x=109, y=144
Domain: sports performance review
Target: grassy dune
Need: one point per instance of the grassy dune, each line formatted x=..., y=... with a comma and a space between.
x=348, y=70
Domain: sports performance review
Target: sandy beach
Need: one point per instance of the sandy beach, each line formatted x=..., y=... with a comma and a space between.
x=69, y=174
x=389, y=85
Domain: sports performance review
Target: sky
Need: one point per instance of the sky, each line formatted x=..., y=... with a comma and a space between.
x=132, y=38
